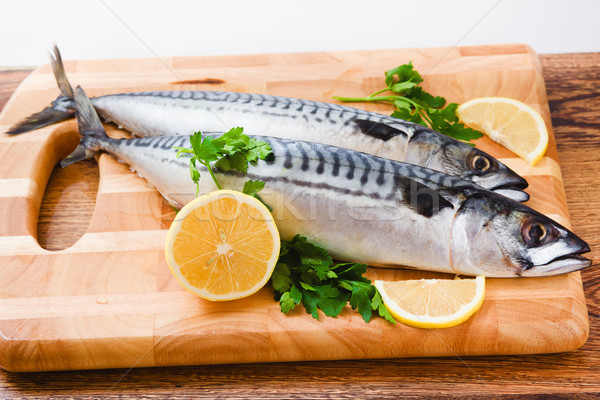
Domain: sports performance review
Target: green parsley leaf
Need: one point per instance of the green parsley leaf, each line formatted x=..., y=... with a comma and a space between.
x=403, y=73
x=447, y=120
x=295, y=294
x=351, y=271
x=414, y=104
x=307, y=287
x=233, y=162
x=310, y=254
x=253, y=187
x=257, y=150
x=309, y=301
x=286, y=302
x=196, y=142
x=281, y=277
x=321, y=284
x=402, y=104
x=426, y=100
x=410, y=115
x=241, y=150
x=377, y=304
x=234, y=139
x=361, y=298
x=231, y=151
x=403, y=86
x=289, y=300
x=209, y=149
x=326, y=298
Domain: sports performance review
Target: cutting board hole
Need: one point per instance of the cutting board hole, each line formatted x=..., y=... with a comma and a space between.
x=68, y=205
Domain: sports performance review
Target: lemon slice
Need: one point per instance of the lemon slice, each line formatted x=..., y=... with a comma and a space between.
x=509, y=122
x=223, y=246
x=432, y=303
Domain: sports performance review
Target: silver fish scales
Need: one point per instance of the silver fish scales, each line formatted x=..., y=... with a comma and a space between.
x=185, y=112
x=364, y=208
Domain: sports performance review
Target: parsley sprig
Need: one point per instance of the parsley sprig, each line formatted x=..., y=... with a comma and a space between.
x=305, y=273
x=231, y=151
x=414, y=104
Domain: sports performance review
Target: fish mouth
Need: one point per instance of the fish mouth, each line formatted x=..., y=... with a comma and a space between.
x=512, y=181
x=513, y=189
x=560, y=265
x=513, y=193
x=517, y=183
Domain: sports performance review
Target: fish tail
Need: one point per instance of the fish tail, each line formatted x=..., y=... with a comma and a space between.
x=61, y=109
x=58, y=68
x=90, y=128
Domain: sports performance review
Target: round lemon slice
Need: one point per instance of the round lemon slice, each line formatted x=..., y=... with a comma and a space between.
x=223, y=246
x=509, y=122
x=433, y=303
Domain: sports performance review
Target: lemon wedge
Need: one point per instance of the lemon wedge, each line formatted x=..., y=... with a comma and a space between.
x=432, y=303
x=223, y=246
x=509, y=122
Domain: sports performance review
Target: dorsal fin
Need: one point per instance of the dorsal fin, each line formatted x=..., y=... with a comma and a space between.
x=378, y=130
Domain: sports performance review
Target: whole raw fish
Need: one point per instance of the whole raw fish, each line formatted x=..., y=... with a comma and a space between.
x=185, y=112
x=364, y=208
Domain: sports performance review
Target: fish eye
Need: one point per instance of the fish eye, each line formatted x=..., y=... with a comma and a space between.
x=481, y=163
x=536, y=233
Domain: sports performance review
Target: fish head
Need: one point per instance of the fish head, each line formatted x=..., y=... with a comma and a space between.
x=466, y=162
x=482, y=169
x=497, y=237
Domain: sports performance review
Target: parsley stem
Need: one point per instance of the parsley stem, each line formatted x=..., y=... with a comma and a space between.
x=425, y=116
x=379, y=91
x=353, y=99
x=413, y=103
x=212, y=174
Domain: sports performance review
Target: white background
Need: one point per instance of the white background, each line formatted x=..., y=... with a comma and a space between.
x=95, y=29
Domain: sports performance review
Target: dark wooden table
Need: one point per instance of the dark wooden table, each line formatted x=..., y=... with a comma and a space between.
x=573, y=86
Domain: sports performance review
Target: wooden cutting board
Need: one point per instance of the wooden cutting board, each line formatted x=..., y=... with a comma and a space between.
x=109, y=301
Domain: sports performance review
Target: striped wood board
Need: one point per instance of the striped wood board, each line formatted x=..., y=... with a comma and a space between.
x=109, y=301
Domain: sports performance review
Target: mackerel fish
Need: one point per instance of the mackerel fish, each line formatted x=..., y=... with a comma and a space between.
x=185, y=112
x=363, y=208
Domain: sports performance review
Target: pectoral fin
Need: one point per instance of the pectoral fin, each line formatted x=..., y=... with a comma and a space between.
x=378, y=130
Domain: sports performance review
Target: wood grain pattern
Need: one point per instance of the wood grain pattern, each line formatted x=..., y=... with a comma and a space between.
x=573, y=84
x=352, y=351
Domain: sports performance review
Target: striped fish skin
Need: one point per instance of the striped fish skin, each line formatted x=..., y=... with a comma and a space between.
x=368, y=209
x=184, y=112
